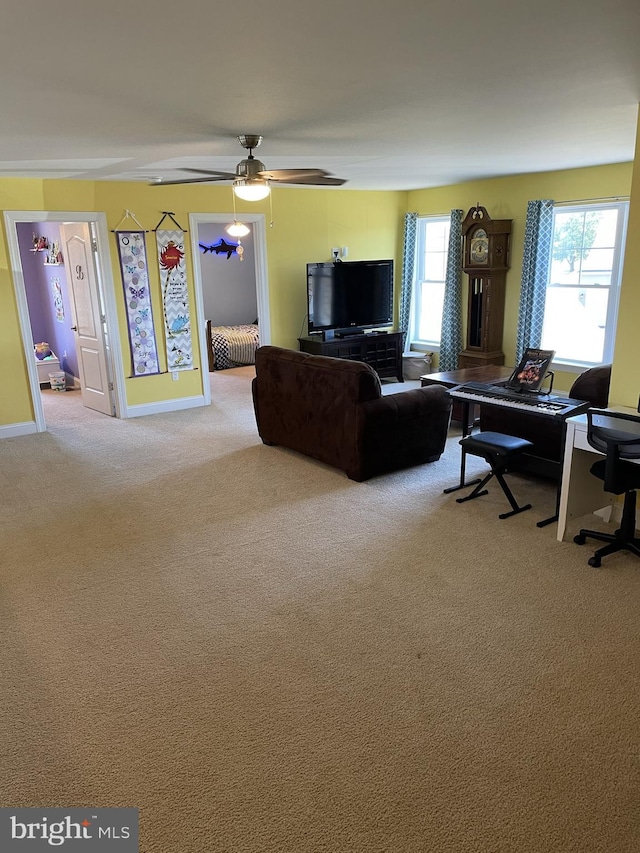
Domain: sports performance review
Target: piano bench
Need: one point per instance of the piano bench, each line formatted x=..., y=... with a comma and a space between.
x=498, y=450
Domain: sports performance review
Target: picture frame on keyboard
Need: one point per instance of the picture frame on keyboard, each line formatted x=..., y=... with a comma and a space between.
x=531, y=371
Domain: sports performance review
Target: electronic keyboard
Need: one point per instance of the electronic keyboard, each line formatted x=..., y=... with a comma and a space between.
x=536, y=404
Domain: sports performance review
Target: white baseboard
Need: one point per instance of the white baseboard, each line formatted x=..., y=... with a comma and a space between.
x=12, y=430
x=163, y=406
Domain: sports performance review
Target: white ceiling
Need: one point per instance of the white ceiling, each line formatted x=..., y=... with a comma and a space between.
x=398, y=95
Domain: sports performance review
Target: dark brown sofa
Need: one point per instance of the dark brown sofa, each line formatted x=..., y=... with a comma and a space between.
x=545, y=456
x=333, y=410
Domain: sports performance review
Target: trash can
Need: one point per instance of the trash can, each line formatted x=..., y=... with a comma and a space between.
x=58, y=380
x=416, y=364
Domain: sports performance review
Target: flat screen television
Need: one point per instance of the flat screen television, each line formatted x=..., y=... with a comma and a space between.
x=349, y=295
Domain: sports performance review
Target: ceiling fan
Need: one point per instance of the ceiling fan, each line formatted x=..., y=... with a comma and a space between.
x=251, y=179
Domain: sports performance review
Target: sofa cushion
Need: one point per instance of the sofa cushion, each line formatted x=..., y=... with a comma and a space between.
x=354, y=378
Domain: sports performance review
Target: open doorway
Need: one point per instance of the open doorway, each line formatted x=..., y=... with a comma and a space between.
x=60, y=263
x=250, y=290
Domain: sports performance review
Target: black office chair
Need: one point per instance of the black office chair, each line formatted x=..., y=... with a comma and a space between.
x=617, y=435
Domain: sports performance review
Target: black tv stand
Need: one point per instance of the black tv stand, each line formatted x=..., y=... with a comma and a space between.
x=382, y=352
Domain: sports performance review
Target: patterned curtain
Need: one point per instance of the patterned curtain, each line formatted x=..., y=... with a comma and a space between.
x=451, y=334
x=535, y=271
x=408, y=270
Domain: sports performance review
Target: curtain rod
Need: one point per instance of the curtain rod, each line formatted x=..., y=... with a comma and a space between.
x=606, y=198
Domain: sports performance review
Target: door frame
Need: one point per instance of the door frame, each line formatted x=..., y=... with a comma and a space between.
x=105, y=287
x=261, y=275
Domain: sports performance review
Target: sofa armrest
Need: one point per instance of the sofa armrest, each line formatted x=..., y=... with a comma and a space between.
x=406, y=405
x=398, y=430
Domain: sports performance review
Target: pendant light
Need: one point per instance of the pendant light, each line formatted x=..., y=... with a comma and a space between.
x=251, y=189
x=236, y=229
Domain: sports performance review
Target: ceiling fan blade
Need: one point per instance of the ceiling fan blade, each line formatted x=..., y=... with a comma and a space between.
x=290, y=174
x=252, y=169
x=226, y=176
x=162, y=183
x=312, y=181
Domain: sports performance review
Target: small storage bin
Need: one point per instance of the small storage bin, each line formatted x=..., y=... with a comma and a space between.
x=416, y=364
x=45, y=366
x=58, y=380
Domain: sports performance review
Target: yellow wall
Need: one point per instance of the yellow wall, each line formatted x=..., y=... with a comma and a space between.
x=306, y=224
x=15, y=396
x=625, y=383
x=506, y=198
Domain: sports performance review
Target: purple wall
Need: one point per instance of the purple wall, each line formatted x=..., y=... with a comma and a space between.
x=38, y=280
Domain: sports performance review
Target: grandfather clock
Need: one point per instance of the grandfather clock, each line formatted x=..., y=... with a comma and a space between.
x=486, y=261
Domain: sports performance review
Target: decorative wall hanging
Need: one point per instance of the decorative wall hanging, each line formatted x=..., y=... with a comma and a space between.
x=175, y=296
x=135, y=280
x=57, y=299
x=223, y=248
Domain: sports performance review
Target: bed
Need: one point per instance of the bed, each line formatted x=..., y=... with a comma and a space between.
x=232, y=346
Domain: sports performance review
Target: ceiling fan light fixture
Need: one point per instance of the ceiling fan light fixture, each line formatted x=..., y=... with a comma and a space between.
x=251, y=189
x=237, y=229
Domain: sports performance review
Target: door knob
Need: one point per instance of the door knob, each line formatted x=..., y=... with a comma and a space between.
x=74, y=328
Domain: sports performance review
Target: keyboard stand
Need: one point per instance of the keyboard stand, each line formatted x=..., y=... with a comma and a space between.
x=466, y=430
x=556, y=515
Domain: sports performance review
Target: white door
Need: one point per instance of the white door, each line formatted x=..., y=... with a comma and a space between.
x=88, y=323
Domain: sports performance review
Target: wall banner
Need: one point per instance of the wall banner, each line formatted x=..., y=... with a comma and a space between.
x=135, y=280
x=58, y=304
x=175, y=299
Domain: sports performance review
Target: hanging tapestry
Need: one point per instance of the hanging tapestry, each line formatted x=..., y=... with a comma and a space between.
x=135, y=279
x=57, y=299
x=175, y=299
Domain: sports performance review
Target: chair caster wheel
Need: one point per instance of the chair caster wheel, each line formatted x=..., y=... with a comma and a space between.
x=579, y=539
x=595, y=562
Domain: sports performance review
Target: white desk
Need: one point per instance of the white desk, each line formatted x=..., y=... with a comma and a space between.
x=581, y=493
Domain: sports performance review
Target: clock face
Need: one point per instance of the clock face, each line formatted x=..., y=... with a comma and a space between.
x=479, y=247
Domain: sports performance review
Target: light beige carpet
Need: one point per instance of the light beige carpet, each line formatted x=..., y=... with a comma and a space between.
x=262, y=655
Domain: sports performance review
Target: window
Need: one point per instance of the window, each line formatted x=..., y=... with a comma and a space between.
x=432, y=243
x=584, y=282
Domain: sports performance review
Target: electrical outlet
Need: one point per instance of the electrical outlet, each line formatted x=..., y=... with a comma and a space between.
x=175, y=375
x=335, y=253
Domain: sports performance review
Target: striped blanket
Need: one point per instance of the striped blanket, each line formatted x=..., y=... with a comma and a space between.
x=234, y=346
